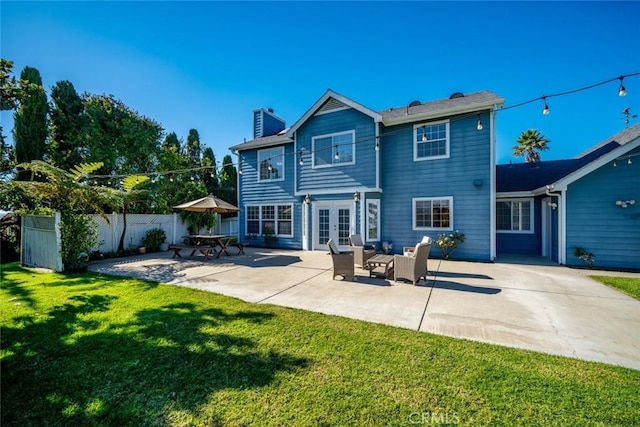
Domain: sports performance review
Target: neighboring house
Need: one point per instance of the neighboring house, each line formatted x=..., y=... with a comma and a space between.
x=392, y=176
x=592, y=202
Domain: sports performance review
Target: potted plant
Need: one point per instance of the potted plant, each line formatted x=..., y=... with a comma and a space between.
x=153, y=239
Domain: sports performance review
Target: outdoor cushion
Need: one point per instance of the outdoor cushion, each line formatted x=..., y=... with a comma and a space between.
x=333, y=247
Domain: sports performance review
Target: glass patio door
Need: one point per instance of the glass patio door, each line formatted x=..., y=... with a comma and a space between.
x=333, y=221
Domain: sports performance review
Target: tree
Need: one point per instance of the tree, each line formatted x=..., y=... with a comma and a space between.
x=67, y=122
x=30, y=120
x=69, y=194
x=125, y=141
x=171, y=140
x=193, y=149
x=131, y=193
x=10, y=89
x=228, y=181
x=529, y=143
x=209, y=176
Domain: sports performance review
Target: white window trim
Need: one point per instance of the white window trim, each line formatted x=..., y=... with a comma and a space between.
x=415, y=141
x=283, y=165
x=377, y=203
x=531, y=216
x=333, y=165
x=424, y=199
x=275, y=220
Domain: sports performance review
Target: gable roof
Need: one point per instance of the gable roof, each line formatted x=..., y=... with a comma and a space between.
x=525, y=177
x=457, y=105
x=341, y=101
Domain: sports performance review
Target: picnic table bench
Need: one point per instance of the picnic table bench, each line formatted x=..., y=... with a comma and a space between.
x=206, y=250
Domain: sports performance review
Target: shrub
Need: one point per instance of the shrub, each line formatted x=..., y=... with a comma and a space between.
x=153, y=238
x=584, y=255
x=269, y=236
x=79, y=236
x=449, y=242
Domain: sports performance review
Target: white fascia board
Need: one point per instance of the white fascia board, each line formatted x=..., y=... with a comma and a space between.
x=563, y=183
x=439, y=113
x=255, y=145
x=377, y=117
x=515, y=194
x=351, y=190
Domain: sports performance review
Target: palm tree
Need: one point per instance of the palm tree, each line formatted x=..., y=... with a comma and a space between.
x=530, y=142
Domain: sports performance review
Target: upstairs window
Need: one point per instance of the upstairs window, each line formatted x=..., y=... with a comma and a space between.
x=431, y=141
x=334, y=149
x=271, y=164
x=514, y=216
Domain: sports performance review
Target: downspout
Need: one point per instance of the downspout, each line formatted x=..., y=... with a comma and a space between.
x=562, y=221
x=492, y=186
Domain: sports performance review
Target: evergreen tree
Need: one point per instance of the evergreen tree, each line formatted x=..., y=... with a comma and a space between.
x=67, y=123
x=30, y=121
x=193, y=149
x=171, y=140
x=209, y=175
x=228, y=181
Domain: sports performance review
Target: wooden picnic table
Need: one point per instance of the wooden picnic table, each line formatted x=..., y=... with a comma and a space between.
x=215, y=240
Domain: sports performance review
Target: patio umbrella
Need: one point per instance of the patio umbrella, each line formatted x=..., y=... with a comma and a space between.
x=209, y=204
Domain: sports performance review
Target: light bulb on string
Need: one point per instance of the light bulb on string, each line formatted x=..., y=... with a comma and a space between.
x=629, y=161
x=424, y=134
x=377, y=143
x=615, y=164
x=337, y=156
x=301, y=161
x=479, y=126
x=622, y=91
x=545, y=110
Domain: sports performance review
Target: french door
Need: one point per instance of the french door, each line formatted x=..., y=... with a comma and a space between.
x=332, y=220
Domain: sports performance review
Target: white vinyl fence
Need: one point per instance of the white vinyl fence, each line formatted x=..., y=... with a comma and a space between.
x=41, y=243
x=139, y=224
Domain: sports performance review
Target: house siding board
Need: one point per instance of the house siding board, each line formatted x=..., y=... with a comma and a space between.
x=360, y=174
x=403, y=179
x=596, y=224
x=254, y=192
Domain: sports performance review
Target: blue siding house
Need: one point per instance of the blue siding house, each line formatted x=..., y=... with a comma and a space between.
x=590, y=202
x=392, y=176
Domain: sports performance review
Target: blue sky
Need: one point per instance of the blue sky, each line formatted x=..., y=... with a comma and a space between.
x=207, y=65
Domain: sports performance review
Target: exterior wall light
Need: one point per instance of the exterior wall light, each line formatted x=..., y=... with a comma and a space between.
x=356, y=196
x=307, y=198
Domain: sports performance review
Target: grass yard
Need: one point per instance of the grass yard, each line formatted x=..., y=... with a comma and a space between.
x=98, y=350
x=628, y=285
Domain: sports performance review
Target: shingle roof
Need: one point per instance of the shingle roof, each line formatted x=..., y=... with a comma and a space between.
x=525, y=177
x=469, y=101
x=267, y=141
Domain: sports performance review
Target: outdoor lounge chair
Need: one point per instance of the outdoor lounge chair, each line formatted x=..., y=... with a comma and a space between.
x=342, y=261
x=361, y=252
x=414, y=266
x=408, y=250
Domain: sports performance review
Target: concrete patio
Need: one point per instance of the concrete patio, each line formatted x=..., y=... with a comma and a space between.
x=546, y=308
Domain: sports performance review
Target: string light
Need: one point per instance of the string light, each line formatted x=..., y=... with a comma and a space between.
x=615, y=164
x=337, y=156
x=622, y=91
x=479, y=126
x=629, y=161
x=545, y=110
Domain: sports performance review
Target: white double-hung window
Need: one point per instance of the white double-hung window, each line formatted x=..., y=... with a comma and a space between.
x=433, y=213
x=431, y=140
x=334, y=149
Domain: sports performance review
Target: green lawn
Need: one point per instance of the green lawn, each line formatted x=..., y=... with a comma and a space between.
x=628, y=285
x=98, y=350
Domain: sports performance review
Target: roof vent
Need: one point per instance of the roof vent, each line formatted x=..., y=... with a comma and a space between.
x=456, y=95
x=415, y=103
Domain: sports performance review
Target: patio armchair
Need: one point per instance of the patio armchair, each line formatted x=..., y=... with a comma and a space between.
x=361, y=252
x=408, y=250
x=342, y=261
x=413, y=266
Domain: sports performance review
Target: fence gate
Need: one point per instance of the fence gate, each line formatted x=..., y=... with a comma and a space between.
x=41, y=242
